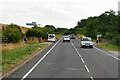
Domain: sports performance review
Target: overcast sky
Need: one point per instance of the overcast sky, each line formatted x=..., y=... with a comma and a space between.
x=60, y=13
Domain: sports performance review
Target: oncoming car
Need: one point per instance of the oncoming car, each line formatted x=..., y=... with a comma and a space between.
x=66, y=38
x=51, y=38
x=86, y=42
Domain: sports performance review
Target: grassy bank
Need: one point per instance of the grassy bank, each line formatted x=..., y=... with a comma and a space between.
x=110, y=47
x=6, y=47
x=13, y=58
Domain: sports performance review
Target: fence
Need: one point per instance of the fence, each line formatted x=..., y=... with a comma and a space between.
x=108, y=41
x=5, y=40
x=35, y=39
x=32, y=39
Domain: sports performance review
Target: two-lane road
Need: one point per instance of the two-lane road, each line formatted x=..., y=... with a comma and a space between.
x=68, y=60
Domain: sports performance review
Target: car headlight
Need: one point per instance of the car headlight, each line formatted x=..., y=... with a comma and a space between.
x=91, y=43
x=83, y=43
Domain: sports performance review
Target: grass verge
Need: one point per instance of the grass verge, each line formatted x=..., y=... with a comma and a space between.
x=15, y=57
x=109, y=47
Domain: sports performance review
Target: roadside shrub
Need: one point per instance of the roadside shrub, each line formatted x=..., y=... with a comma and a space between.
x=39, y=32
x=13, y=33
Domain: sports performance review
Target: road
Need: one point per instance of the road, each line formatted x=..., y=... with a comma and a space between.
x=68, y=60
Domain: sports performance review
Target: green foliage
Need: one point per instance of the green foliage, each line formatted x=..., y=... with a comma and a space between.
x=50, y=26
x=62, y=31
x=39, y=32
x=13, y=33
x=110, y=47
x=106, y=24
x=14, y=56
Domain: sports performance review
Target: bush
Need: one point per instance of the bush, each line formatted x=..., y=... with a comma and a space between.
x=13, y=33
x=39, y=32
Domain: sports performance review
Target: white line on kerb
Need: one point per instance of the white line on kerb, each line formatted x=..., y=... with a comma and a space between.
x=38, y=62
x=107, y=53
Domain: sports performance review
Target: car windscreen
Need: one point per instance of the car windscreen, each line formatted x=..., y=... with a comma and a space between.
x=86, y=39
x=66, y=37
x=51, y=36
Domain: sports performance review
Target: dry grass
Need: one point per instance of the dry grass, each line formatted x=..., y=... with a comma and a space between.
x=6, y=47
x=11, y=46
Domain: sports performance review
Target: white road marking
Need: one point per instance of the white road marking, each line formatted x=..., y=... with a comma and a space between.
x=91, y=78
x=39, y=62
x=87, y=69
x=82, y=60
x=107, y=53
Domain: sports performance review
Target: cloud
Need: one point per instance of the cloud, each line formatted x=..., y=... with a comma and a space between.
x=60, y=13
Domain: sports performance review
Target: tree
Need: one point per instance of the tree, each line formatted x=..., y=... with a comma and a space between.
x=50, y=26
x=106, y=24
x=13, y=33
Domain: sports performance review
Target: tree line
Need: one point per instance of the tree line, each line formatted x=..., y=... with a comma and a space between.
x=107, y=24
x=14, y=33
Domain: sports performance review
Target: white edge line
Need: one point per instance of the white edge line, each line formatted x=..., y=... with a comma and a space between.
x=107, y=53
x=38, y=62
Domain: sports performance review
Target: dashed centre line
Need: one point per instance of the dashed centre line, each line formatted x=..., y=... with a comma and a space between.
x=82, y=61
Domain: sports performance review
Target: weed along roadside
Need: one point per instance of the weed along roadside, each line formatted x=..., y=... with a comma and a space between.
x=14, y=58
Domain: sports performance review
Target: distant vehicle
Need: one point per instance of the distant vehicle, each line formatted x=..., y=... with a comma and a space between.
x=51, y=38
x=66, y=38
x=86, y=42
x=72, y=36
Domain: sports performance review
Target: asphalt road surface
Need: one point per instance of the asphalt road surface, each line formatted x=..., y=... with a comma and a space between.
x=68, y=60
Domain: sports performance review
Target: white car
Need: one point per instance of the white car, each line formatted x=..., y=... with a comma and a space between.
x=51, y=38
x=86, y=42
x=66, y=38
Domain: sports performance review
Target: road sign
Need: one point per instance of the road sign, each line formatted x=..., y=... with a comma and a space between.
x=99, y=35
x=33, y=23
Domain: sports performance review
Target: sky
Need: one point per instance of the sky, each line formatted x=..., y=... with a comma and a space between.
x=60, y=13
